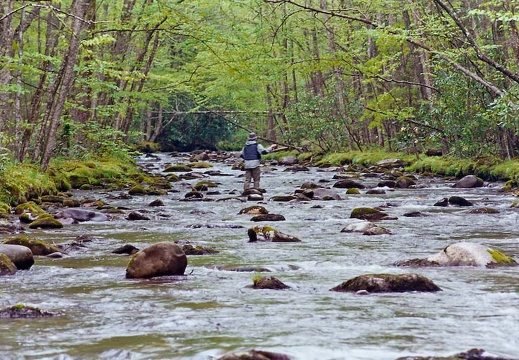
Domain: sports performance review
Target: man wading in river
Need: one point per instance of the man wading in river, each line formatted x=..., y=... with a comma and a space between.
x=251, y=153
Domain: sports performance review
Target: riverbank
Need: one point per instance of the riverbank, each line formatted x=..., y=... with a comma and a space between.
x=20, y=183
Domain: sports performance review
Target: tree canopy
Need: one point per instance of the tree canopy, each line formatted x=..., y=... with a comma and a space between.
x=96, y=76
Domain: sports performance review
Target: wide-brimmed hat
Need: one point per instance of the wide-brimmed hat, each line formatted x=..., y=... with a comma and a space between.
x=252, y=136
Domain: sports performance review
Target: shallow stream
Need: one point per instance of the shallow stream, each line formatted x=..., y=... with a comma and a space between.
x=209, y=312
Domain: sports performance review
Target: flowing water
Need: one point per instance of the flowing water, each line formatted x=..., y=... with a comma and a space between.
x=209, y=311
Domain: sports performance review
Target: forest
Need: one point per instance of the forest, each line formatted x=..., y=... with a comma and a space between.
x=98, y=77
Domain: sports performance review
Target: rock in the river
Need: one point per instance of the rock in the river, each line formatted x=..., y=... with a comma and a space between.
x=404, y=182
x=269, y=282
x=128, y=249
x=20, y=255
x=37, y=247
x=469, y=181
x=348, y=183
x=268, y=233
x=367, y=213
x=472, y=354
x=366, y=228
x=160, y=259
x=254, y=210
x=471, y=254
x=254, y=355
x=81, y=215
x=325, y=194
x=453, y=200
x=136, y=216
x=7, y=267
x=198, y=250
x=459, y=201
x=268, y=217
x=382, y=283
x=45, y=221
x=24, y=311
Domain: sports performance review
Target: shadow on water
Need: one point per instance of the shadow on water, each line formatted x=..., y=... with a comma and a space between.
x=210, y=311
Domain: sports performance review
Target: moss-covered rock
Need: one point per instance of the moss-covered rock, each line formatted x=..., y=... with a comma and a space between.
x=29, y=207
x=268, y=233
x=353, y=191
x=137, y=190
x=382, y=283
x=178, y=168
x=367, y=213
x=268, y=282
x=198, y=250
x=38, y=247
x=45, y=221
x=404, y=182
x=471, y=254
x=205, y=184
x=200, y=165
x=7, y=267
x=24, y=311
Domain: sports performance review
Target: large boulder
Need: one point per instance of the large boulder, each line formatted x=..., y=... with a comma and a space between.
x=38, y=247
x=81, y=215
x=383, y=283
x=469, y=181
x=471, y=254
x=21, y=256
x=160, y=259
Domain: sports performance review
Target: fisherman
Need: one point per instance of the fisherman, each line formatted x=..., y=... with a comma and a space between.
x=251, y=153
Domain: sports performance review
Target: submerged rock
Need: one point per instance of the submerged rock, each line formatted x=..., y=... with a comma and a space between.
x=23, y=311
x=382, y=283
x=198, y=250
x=269, y=282
x=160, y=259
x=472, y=354
x=254, y=355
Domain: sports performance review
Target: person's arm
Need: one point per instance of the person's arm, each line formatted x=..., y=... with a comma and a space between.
x=263, y=150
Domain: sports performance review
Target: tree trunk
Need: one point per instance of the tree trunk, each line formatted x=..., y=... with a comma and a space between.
x=66, y=77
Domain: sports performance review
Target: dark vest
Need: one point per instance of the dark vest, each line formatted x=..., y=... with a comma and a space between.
x=250, y=152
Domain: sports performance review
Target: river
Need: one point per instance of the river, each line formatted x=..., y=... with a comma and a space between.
x=209, y=311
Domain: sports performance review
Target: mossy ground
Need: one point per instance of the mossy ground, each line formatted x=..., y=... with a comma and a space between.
x=20, y=183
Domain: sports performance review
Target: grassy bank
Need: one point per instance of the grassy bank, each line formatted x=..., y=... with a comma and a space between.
x=20, y=183
x=490, y=169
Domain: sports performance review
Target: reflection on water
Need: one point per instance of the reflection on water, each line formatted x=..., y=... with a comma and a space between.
x=209, y=311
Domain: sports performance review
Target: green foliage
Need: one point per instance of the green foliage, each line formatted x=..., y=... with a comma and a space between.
x=21, y=182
